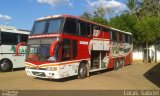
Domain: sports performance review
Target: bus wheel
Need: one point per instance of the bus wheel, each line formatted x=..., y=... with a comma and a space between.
x=121, y=63
x=5, y=65
x=116, y=65
x=82, y=72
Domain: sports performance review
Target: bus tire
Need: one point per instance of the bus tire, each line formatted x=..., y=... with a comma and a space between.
x=5, y=65
x=121, y=63
x=116, y=65
x=82, y=72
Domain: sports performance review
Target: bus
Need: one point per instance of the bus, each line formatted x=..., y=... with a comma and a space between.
x=61, y=46
x=9, y=38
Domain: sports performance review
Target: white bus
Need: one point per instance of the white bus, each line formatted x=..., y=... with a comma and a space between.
x=9, y=38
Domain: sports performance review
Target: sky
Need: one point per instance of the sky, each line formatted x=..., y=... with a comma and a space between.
x=22, y=13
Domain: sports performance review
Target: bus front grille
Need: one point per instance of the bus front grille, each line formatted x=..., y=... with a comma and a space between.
x=41, y=74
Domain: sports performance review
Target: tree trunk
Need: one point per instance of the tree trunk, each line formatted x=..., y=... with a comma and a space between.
x=147, y=59
x=155, y=53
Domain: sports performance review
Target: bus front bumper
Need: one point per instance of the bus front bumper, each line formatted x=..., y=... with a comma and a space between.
x=43, y=73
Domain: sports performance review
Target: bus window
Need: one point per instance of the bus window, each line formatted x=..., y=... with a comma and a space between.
x=114, y=36
x=121, y=37
x=44, y=51
x=47, y=26
x=23, y=38
x=74, y=48
x=130, y=39
x=9, y=38
x=54, y=26
x=111, y=35
x=70, y=26
x=89, y=30
x=39, y=27
x=105, y=30
x=66, y=54
x=84, y=29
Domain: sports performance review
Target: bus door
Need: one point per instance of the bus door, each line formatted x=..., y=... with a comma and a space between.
x=99, y=58
x=106, y=48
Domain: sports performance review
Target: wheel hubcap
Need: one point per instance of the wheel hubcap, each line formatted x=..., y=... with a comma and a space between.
x=4, y=65
x=82, y=71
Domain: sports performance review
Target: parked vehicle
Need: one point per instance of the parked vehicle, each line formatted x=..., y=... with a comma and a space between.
x=9, y=38
x=61, y=46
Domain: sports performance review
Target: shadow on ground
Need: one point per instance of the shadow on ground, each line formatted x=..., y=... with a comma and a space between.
x=153, y=75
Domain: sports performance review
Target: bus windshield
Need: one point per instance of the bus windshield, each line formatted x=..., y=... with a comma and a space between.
x=47, y=26
x=40, y=52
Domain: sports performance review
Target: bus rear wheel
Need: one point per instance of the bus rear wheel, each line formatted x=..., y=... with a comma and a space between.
x=5, y=65
x=82, y=72
x=116, y=65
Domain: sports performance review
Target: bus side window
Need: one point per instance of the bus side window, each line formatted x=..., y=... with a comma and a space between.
x=83, y=29
x=9, y=38
x=130, y=39
x=91, y=30
x=126, y=38
x=66, y=54
x=111, y=35
x=74, y=48
x=70, y=26
x=114, y=36
x=23, y=38
x=121, y=37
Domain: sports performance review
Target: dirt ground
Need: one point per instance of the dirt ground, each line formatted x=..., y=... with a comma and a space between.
x=133, y=77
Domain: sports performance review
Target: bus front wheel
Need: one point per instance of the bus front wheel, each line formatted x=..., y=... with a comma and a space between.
x=82, y=72
x=5, y=65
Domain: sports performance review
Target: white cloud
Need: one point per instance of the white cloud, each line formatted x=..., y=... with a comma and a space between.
x=56, y=2
x=5, y=17
x=112, y=4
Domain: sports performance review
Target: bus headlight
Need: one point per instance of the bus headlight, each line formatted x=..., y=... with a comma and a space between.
x=52, y=68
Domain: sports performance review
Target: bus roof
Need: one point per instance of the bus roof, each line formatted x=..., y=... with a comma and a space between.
x=121, y=31
x=11, y=29
x=76, y=17
x=69, y=16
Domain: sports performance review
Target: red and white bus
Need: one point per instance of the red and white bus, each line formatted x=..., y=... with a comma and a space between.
x=62, y=46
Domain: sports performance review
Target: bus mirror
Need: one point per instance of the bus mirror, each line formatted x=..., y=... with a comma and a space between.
x=52, y=48
x=17, y=47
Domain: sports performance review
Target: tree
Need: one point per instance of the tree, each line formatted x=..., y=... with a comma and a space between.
x=125, y=22
x=131, y=4
x=86, y=15
x=148, y=8
x=148, y=30
x=98, y=15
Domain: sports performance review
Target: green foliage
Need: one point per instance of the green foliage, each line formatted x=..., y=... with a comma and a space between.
x=131, y=4
x=148, y=8
x=124, y=22
x=86, y=15
x=148, y=30
x=144, y=24
x=97, y=16
x=100, y=20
